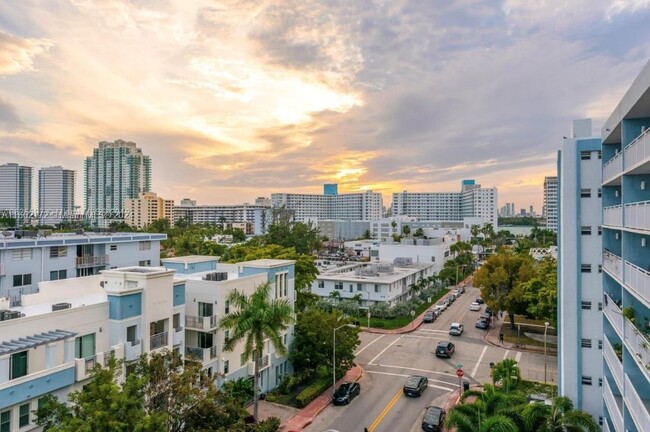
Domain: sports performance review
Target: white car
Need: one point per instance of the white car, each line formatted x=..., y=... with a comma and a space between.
x=441, y=305
x=456, y=329
x=457, y=293
x=475, y=307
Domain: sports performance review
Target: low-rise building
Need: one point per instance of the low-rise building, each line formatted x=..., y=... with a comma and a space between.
x=256, y=218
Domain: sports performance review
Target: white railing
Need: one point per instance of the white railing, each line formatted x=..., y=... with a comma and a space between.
x=84, y=366
x=637, y=215
x=637, y=280
x=178, y=335
x=605, y=426
x=613, y=362
x=614, y=315
x=636, y=406
x=613, y=167
x=92, y=260
x=612, y=407
x=206, y=323
x=132, y=350
x=202, y=354
x=638, y=150
x=158, y=340
x=613, y=216
x=639, y=345
x=613, y=264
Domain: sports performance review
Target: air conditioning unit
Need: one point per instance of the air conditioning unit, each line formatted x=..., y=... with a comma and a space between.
x=7, y=315
x=61, y=306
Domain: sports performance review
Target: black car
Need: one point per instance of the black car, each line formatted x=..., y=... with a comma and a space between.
x=482, y=323
x=445, y=349
x=480, y=300
x=429, y=316
x=489, y=311
x=345, y=393
x=434, y=419
x=415, y=385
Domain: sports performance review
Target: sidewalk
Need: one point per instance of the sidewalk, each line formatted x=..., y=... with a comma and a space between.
x=306, y=415
x=492, y=337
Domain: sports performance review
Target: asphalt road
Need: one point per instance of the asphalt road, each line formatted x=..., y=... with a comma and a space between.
x=390, y=359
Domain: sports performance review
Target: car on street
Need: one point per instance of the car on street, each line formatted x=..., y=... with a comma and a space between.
x=345, y=393
x=450, y=299
x=486, y=316
x=457, y=292
x=441, y=305
x=475, y=306
x=434, y=419
x=445, y=349
x=479, y=300
x=482, y=324
x=461, y=289
x=456, y=329
x=489, y=311
x=415, y=385
x=429, y=316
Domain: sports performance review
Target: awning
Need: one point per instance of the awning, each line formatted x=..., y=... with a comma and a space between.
x=25, y=343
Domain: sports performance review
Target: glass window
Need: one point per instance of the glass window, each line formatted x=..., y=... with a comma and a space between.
x=585, y=230
x=321, y=284
x=58, y=274
x=21, y=254
x=18, y=365
x=585, y=193
x=176, y=321
x=586, y=305
x=23, y=415
x=145, y=245
x=205, y=309
x=131, y=333
x=113, y=247
x=585, y=155
x=205, y=340
x=58, y=251
x=226, y=367
x=586, y=380
x=5, y=421
x=377, y=289
x=84, y=346
x=586, y=343
x=22, y=280
x=359, y=287
x=585, y=268
x=226, y=307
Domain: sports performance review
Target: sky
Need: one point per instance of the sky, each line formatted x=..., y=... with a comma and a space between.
x=238, y=99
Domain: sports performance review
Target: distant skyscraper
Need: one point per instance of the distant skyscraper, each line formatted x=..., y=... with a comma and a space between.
x=55, y=195
x=330, y=189
x=116, y=171
x=549, y=210
x=147, y=208
x=364, y=206
x=263, y=201
x=16, y=191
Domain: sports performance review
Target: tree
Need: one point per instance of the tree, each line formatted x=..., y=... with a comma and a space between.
x=419, y=232
x=506, y=374
x=305, y=238
x=367, y=234
x=560, y=416
x=159, y=226
x=406, y=230
x=490, y=409
x=496, y=423
x=240, y=389
x=255, y=318
x=540, y=292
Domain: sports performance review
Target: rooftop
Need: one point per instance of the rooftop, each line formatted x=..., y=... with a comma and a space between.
x=265, y=263
x=33, y=239
x=349, y=273
x=189, y=259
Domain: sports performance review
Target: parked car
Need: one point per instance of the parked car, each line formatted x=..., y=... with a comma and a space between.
x=482, y=323
x=486, y=316
x=489, y=311
x=461, y=289
x=450, y=299
x=434, y=419
x=456, y=329
x=457, y=292
x=441, y=305
x=479, y=300
x=445, y=349
x=475, y=306
x=415, y=385
x=345, y=393
x=429, y=316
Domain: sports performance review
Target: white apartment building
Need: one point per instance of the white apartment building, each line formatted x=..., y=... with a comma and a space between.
x=55, y=195
x=385, y=229
x=550, y=207
x=360, y=206
x=28, y=258
x=208, y=285
x=372, y=283
x=16, y=192
x=142, y=211
x=259, y=216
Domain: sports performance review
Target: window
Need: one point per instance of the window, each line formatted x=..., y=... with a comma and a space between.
x=58, y=251
x=586, y=380
x=205, y=309
x=600, y=421
x=600, y=154
x=226, y=336
x=338, y=285
x=600, y=344
x=586, y=305
x=21, y=254
x=600, y=382
x=586, y=343
x=600, y=192
x=18, y=365
x=58, y=274
x=377, y=289
x=433, y=259
x=226, y=367
x=113, y=247
x=585, y=230
x=600, y=230
x=351, y=287
x=22, y=280
x=84, y=346
x=359, y=287
x=585, y=193
x=226, y=307
x=144, y=263
x=131, y=333
x=205, y=340
x=23, y=415
x=600, y=306
x=585, y=155
x=145, y=245
x=5, y=421
x=585, y=268
x=284, y=339
x=176, y=322
x=600, y=268
x=321, y=284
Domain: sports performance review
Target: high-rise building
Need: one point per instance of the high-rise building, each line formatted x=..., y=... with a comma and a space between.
x=580, y=334
x=16, y=192
x=55, y=195
x=116, y=171
x=258, y=216
x=148, y=207
x=259, y=201
x=549, y=210
x=362, y=206
x=626, y=260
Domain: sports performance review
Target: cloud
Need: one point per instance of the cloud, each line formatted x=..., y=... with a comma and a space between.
x=9, y=119
x=17, y=54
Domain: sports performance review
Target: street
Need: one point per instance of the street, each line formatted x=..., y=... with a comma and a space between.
x=390, y=358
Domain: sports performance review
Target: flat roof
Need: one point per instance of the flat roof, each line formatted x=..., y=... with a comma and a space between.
x=347, y=273
x=189, y=259
x=265, y=263
x=65, y=239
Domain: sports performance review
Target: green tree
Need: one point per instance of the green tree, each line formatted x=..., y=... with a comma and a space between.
x=560, y=416
x=367, y=234
x=496, y=423
x=540, y=292
x=255, y=318
x=159, y=226
x=406, y=230
x=419, y=232
x=506, y=374
x=240, y=389
x=489, y=404
x=304, y=238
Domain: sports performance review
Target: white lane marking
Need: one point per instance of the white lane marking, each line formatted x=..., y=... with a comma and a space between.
x=383, y=351
x=425, y=337
x=419, y=370
x=433, y=331
x=518, y=357
x=505, y=355
x=370, y=343
x=402, y=375
x=478, y=363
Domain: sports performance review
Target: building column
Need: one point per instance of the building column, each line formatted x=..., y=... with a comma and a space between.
x=50, y=355
x=4, y=368
x=68, y=351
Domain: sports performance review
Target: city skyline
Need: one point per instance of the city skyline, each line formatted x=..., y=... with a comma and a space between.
x=235, y=100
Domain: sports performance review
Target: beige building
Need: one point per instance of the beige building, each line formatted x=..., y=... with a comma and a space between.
x=148, y=207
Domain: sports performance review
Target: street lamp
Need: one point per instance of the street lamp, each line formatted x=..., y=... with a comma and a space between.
x=545, y=329
x=459, y=265
x=368, y=306
x=334, y=355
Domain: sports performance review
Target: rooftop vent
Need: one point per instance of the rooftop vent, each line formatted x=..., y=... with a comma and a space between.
x=216, y=276
x=403, y=261
x=61, y=306
x=6, y=315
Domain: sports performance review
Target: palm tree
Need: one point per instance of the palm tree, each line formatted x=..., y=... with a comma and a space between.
x=255, y=318
x=490, y=403
x=506, y=374
x=240, y=389
x=560, y=416
x=495, y=423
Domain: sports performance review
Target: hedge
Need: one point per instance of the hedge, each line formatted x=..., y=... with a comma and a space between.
x=312, y=391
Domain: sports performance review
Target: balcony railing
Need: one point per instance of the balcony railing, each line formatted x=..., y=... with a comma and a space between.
x=639, y=346
x=612, y=407
x=638, y=150
x=178, y=335
x=84, y=366
x=158, y=340
x=613, y=167
x=605, y=426
x=201, y=354
x=614, y=315
x=613, y=264
x=613, y=216
x=133, y=350
x=613, y=362
x=636, y=406
x=637, y=215
x=92, y=261
x=206, y=323
x=637, y=280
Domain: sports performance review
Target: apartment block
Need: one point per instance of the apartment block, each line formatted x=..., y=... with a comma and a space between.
x=16, y=192
x=361, y=206
x=142, y=211
x=56, y=189
x=550, y=207
x=259, y=216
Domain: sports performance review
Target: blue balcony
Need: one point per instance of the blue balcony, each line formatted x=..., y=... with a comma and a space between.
x=36, y=384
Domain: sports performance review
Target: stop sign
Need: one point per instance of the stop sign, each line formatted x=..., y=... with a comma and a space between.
x=460, y=373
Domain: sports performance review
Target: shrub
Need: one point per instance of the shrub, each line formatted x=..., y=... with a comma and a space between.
x=381, y=310
x=312, y=391
x=401, y=309
x=349, y=307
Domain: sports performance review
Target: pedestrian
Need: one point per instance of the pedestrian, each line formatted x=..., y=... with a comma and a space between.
x=500, y=338
x=501, y=313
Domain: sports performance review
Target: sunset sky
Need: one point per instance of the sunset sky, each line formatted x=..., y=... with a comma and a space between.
x=238, y=99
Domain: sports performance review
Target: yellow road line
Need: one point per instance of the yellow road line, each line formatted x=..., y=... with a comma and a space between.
x=385, y=411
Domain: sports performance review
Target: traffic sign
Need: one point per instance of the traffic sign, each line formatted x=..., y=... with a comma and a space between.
x=460, y=373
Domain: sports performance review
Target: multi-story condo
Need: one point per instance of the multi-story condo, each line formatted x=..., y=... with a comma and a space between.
x=260, y=216
x=16, y=192
x=626, y=260
x=27, y=259
x=208, y=285
x=51, y=343
x=549, y=210
x=371, y=283
x=116, y=171
x=342, y=230
x=360, y=206
x=55, y=195
x=579, y=270
x=142, y=211
x=471, y=201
